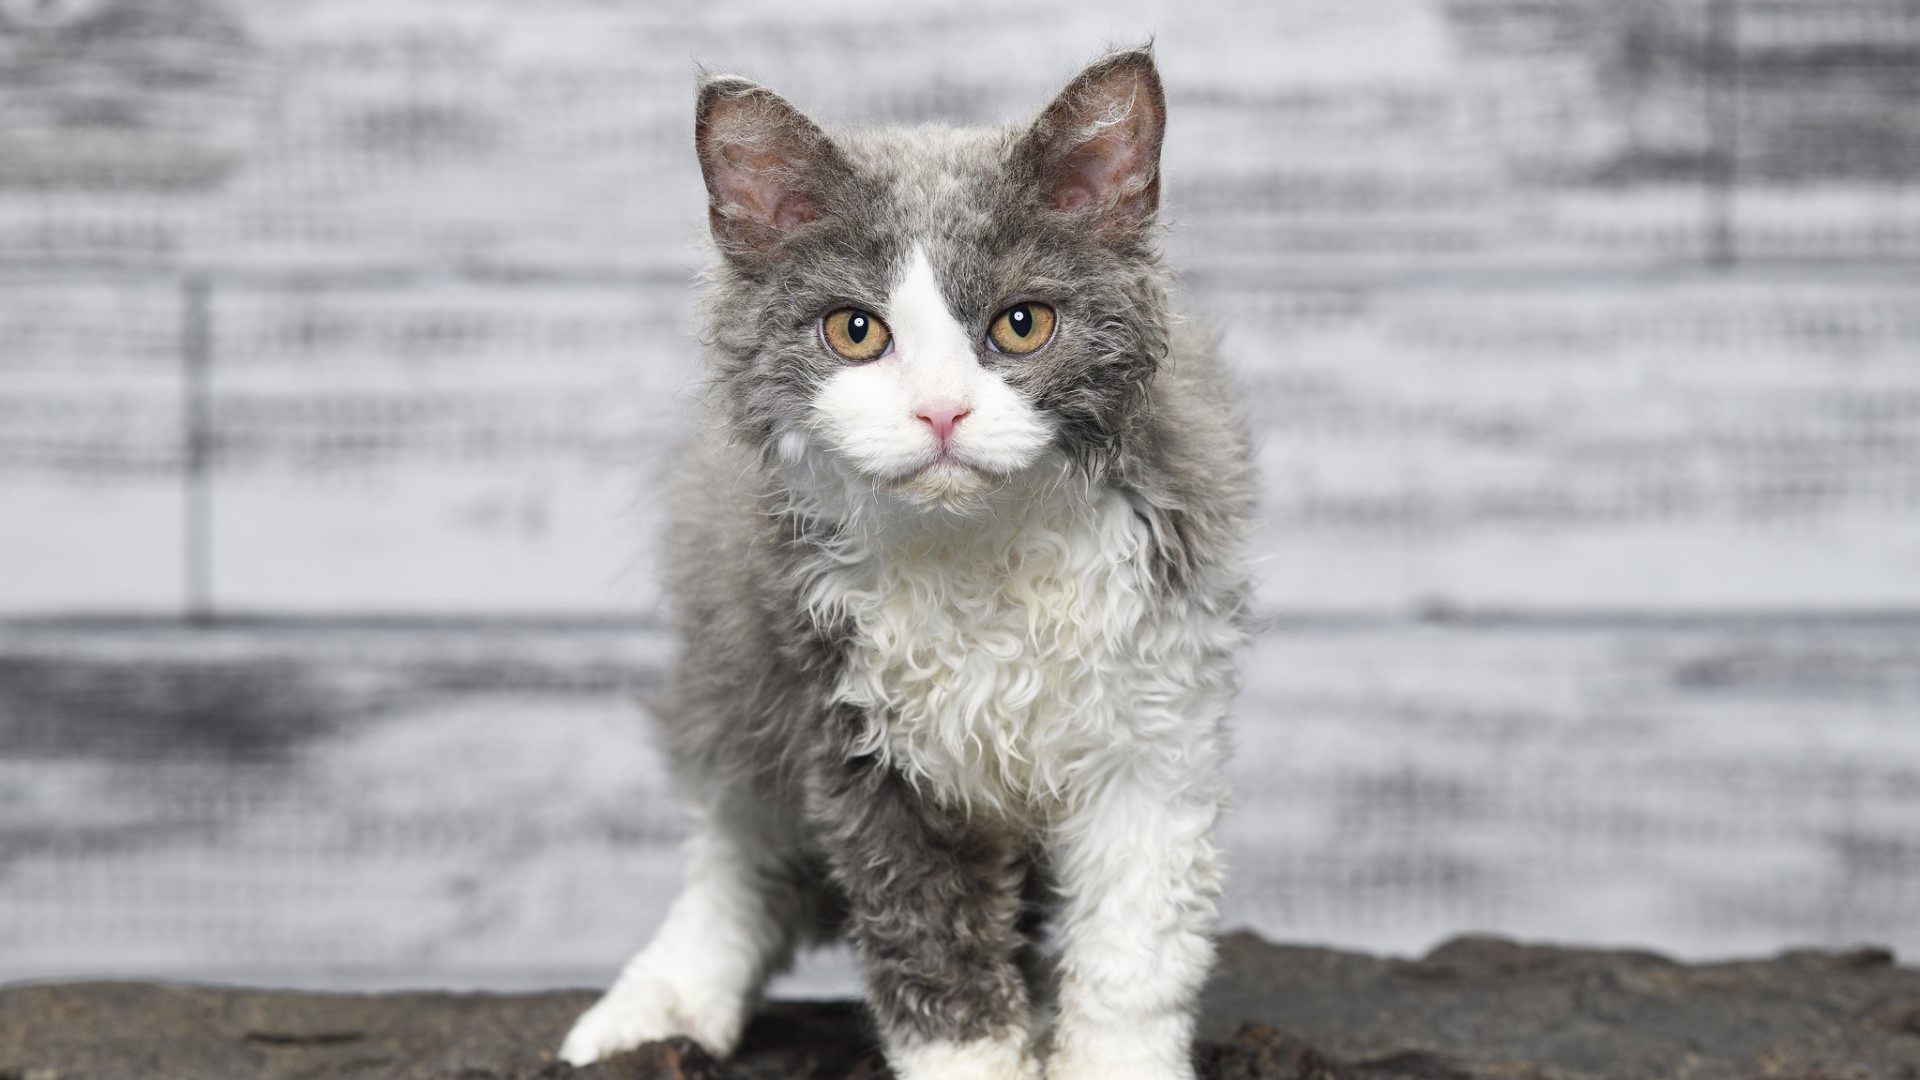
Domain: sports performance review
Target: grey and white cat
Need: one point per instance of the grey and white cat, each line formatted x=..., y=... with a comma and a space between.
x=957, y=574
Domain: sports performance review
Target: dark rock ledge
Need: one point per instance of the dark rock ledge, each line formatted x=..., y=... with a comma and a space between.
x=1474, y=1008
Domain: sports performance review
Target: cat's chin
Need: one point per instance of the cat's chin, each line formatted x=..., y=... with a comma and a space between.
x=947, y=485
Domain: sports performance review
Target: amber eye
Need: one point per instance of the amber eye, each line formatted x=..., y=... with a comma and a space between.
x=1022, y=328
x=854, y=334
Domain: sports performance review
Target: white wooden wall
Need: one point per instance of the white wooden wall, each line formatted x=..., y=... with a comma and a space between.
x=1582, y=339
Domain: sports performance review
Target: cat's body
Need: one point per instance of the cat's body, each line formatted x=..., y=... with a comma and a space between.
x=957, y=619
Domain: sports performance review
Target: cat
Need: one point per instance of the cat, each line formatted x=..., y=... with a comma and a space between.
x=957, y=568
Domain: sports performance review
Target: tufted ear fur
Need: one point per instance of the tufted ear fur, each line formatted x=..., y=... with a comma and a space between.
x=1098, y=144
x=766, y=165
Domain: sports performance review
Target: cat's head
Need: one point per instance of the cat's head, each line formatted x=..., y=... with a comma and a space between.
x=929, y=313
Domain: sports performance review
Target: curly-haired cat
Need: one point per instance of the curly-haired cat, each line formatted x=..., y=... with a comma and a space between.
x=956, y=566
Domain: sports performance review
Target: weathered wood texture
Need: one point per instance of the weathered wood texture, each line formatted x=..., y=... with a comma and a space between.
x=1538, y=305
x=1604, y=309
x=369, y=805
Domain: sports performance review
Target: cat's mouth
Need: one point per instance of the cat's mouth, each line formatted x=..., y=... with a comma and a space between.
x=946, y=483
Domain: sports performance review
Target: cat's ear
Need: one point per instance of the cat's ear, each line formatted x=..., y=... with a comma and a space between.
x=1098, y=145
x=766, y=165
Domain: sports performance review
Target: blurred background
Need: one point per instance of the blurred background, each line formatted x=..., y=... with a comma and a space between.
x=341, y=343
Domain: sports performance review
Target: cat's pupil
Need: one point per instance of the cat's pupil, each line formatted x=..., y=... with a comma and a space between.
x=856, y=328
x=1021, y=320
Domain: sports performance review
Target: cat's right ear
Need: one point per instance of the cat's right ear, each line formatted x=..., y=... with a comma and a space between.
x=765, y=164
x=1097, y=146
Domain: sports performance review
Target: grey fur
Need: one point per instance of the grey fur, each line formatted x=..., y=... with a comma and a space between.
x=931, y=898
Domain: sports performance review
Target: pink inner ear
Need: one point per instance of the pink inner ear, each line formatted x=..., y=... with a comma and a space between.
x=760, y=184
x=1102, y=170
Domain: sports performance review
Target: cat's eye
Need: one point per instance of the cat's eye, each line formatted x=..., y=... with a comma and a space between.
x=855, y=335
x=1022, y=328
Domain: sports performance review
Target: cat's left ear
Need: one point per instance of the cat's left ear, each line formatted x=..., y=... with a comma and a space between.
x=766, y=165
x=1098, y=145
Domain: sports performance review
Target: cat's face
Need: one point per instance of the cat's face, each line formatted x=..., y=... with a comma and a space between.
x=931, y=313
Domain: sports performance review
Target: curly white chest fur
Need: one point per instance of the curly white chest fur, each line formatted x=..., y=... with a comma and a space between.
x=1013, y=666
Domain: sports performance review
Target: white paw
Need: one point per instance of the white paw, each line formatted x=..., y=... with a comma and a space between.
x=1005, y=1058
x=645, y=1007
x=1144, y=1063
x=1113, y=1070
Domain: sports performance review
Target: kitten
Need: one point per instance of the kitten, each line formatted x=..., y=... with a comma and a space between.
x=958, y=586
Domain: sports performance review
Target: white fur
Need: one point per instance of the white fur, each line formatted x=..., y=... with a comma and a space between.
x=725, y=933
x=1017, y=664
x=1139, y=877
x=1013, y=658
x=1016, y=661
x=1020, y=665
x=1005, y=1058
x=867, y=414
x=1010, y=650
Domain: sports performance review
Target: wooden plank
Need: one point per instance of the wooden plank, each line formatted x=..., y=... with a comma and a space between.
x=304, y=803
x=1827, y=143
x=1680, y=786
x=1365, y=135
x=1317, y=133
x=91, y=449
x=464, y=448
x=148, y=97
x=1692, y=443
x=1521, y=135
x=1443, y=165
x=360, y=805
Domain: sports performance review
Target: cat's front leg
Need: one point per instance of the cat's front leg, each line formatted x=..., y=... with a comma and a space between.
x=1138, y=877
x=933, y=908
x=735, y=921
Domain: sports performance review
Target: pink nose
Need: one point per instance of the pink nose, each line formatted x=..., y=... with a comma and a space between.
x=942, y=417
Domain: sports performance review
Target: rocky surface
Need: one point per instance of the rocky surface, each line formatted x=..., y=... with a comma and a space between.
x=1474, y=1008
